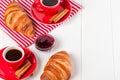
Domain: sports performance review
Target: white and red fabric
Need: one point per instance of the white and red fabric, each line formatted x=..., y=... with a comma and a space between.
x=40, y=29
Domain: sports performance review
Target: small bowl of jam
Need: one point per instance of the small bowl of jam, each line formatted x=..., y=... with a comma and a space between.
x=44, y=42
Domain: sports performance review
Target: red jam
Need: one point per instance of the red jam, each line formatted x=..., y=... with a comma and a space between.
x=44, y=42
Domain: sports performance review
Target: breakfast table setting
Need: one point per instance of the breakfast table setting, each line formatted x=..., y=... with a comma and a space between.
x=40, y=39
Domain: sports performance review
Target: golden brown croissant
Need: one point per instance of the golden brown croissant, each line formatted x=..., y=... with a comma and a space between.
x=17, y=20
x=58, y=67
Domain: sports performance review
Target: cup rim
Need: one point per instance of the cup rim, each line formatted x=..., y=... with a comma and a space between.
x=10, y=48
x=50, y=6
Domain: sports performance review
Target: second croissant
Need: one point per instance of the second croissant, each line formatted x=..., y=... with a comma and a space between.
x=58, y=67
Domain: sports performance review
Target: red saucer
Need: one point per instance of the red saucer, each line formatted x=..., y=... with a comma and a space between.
x=44, y=18
x=7, y=73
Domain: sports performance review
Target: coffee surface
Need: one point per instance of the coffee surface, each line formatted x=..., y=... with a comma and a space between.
x=13, y=55
x=49, y=2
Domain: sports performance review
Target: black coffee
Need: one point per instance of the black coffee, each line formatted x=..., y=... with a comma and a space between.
x=49, y=2
x=13, y=55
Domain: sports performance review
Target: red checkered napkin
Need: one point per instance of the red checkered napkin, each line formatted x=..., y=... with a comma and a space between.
x=22, y=40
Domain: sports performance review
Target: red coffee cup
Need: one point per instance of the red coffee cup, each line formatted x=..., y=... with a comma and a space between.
x=13, y=56
x=47, y=6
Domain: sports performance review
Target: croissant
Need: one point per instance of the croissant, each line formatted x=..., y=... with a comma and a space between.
x=16, y=19
x=58, y=67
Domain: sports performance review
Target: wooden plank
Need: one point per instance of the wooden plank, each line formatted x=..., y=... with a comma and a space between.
x=97, y=41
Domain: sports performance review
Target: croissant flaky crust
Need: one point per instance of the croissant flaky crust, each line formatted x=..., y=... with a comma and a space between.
x=58, y=67
x=16, y=19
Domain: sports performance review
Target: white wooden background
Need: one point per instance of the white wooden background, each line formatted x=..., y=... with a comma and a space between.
x=101, y=40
